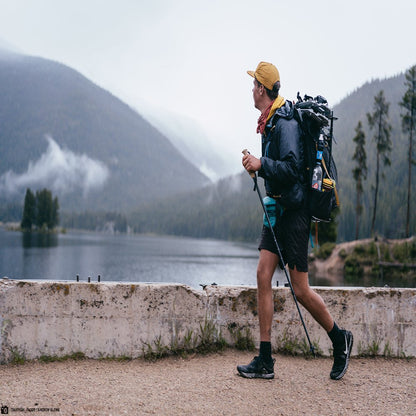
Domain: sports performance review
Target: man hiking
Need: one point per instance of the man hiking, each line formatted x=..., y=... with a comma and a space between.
x=282, y=168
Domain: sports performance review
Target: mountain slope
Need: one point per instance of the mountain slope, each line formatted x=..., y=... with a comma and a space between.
x=107, y=156
x=189, y=138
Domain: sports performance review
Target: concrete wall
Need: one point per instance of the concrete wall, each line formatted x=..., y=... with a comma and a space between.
x=121, y=319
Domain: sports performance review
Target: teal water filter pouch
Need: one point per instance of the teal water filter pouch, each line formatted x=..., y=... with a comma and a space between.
x=270, y=205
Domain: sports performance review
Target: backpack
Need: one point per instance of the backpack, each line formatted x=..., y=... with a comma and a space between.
x=316, y=121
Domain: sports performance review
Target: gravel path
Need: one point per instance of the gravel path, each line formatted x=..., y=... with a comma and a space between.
x=209, y=385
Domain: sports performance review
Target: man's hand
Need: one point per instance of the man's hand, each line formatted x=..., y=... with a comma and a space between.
x=251, y=163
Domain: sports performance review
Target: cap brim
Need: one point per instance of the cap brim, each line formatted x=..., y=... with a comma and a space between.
x=251, y=73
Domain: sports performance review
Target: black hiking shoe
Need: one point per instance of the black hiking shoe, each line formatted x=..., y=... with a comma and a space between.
x=342, y=356
x=257, y=369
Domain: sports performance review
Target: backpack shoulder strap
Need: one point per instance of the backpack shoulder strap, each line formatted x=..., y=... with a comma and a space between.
x=267, y=139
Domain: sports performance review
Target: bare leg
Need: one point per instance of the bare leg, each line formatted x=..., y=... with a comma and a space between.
x=310, y=299
x=268, y=262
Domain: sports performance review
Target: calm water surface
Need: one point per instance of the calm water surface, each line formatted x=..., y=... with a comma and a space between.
x=130, y=258
x=136, y=258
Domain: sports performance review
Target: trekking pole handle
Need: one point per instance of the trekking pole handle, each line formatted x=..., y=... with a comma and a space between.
x=251, y=173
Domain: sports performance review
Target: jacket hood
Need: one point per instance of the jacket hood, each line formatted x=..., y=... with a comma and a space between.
x=285, y=111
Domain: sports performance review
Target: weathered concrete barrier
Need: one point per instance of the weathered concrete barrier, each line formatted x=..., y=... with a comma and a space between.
x=121, y=319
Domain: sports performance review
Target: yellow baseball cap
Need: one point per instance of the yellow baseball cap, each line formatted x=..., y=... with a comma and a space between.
x=266, y=73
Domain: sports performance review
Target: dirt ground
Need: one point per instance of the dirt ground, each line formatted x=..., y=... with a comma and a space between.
x=208, y=385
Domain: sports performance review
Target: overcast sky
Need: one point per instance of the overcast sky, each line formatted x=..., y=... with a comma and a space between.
x=189, y=58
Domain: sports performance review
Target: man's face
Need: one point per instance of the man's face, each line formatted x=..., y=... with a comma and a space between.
x=257, y=91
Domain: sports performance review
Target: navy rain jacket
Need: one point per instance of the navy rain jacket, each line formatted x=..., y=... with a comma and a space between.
x=282, y=161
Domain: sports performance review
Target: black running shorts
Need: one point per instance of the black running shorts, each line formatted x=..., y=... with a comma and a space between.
x=292, y=232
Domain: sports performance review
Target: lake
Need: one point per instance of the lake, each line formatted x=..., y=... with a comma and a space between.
x=139, y=258
x=132, y=258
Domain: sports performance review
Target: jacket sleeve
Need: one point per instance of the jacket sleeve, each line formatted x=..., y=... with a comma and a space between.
x=283, y=171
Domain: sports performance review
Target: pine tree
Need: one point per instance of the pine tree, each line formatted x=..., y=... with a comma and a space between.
x=29, y=209
x=55, y=213
x=379, y=121
x=359, y=172
x=409, y=126
x=43, y=208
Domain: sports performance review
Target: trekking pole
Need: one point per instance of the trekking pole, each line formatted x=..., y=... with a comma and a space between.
x=254, y=176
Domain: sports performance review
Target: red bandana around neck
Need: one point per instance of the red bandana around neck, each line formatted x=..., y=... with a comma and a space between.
x=268, y=113
x=261, y=122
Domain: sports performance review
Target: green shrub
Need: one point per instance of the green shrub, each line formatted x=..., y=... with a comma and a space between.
x=342, y=253
x=353, y=268
x=372, y=249
x=325, y=250
x=359, y=249
x=243, y=338
x=290, y=345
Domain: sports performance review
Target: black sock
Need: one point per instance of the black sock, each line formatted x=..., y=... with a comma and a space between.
x=336, y=335
x=266, y=351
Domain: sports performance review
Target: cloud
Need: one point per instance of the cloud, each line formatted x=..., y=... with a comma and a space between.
x=59, y=170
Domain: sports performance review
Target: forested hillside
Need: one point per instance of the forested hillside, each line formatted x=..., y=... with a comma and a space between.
x=391, y=210
x=228, y=210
